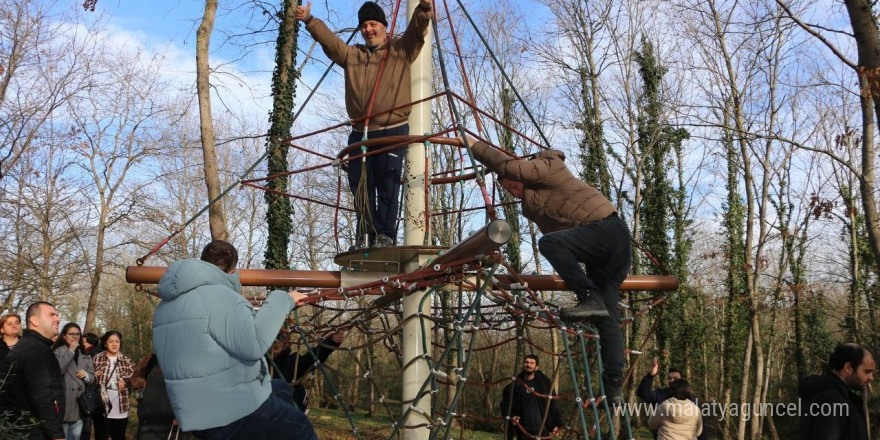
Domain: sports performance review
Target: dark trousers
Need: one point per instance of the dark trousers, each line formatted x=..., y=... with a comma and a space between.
x=604, y=248
x=109, y=428
x=276, y=419
x=377, y=212
x=86, y=433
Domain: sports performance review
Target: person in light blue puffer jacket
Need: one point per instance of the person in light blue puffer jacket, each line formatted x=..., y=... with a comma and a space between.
x=210, y=343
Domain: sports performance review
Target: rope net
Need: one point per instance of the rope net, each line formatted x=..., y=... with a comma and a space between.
x=479, y=333
x=480, y=329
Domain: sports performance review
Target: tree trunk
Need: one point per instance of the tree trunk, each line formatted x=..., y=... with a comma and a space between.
x=279, y=208
x=744, y=387
x=95, y=282
x=867, y=39
x=216, y=216
x=511, y=208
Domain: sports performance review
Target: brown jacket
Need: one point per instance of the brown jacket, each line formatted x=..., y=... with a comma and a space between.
x=553, y=198
x=362, y=67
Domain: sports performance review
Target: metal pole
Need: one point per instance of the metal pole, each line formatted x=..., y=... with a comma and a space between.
x=335, y=278
x=414, y=342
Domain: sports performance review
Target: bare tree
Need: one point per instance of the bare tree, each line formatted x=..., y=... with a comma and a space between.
x=39, y=71
x=216, y=215
x=119, y=121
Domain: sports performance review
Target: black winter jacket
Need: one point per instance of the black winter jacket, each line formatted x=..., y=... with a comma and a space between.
x=34, y=384
x=4, y=349
x=826, y=394
x=292, y=367
x=516, y=392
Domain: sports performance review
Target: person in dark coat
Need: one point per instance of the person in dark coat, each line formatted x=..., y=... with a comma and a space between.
x=91, y=347
x=656, y=396
x=34, y=384
x=524, y=402
x=292, y=367
x=156, y=419
x=831, y=410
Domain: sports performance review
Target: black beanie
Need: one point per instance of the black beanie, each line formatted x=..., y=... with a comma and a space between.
x=371, y=11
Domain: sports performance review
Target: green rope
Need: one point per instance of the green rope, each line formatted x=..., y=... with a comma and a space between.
x=577, y=393
x=589, y=379
x=464, y=367
x=445, y=353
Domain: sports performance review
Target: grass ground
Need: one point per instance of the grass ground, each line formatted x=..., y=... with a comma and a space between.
x=333, y=425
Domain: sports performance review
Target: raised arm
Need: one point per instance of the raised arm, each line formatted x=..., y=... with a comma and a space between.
x=333, y=46
x=646, y=390
x=414, y=37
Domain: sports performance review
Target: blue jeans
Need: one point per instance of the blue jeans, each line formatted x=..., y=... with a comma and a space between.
x=605, y=249
x=72, y=430
x=276, y=419
x=379, y=216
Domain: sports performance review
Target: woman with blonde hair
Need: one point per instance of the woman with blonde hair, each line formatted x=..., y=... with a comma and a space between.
x=10, y=328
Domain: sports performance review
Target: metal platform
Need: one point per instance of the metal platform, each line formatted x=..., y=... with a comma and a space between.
x=390, y=259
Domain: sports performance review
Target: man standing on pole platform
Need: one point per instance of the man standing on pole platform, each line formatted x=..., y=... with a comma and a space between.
x=375, y=181
x=580, y=226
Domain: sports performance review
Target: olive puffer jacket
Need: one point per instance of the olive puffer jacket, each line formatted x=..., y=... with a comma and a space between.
x=553, y=197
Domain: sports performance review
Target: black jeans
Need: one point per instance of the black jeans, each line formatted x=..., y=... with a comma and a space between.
x=86, y=433
x=604, y=248
x=276, y=419
x=109, y=428
x=379, y=216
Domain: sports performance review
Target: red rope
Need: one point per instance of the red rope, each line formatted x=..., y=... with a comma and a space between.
x=465, y=79
x=294, y=196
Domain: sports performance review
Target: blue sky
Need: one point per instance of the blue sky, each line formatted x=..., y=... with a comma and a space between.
x=172, y=21
x=169, y=27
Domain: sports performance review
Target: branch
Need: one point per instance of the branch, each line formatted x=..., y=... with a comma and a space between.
x=810, y=30
x=846, y=164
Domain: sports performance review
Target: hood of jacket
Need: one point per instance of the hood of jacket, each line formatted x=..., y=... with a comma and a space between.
x=682, y=412
x=551, y=154
x=817, y=384
x=186, y=275
x=539, y=375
